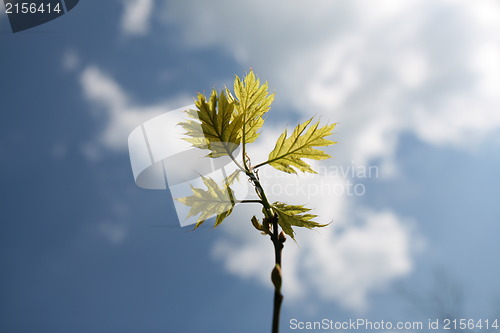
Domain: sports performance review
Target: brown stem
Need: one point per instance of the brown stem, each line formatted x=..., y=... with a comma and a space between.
x=276, y=275
x=270, y=219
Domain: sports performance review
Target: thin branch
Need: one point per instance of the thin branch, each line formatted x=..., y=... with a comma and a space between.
x=276, y=276
x=243, y=140
x=251, y=201
x=261, y=164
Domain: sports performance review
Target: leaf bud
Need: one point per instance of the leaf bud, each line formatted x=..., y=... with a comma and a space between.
x=276, y=277
x=256, y=224
x=282, y=237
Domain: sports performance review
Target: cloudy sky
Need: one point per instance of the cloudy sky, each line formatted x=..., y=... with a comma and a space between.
x=414, y=87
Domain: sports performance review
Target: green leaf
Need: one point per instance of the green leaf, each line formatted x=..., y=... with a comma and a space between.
x=214, y=125
x=235, y=175
x=294, y=216
x=256, y=223
x=212, y=201
x=288, y=153
x=252, y=102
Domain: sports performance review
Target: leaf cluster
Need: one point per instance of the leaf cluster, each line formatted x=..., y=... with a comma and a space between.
x=226, y=121
x=212, y=201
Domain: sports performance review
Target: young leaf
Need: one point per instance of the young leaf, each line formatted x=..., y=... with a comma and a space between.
x=252, y=102
x=212, y=201
x=214, y=126
x=289, y=152
x=235, y=175
x=294, y=216
x=256, y=224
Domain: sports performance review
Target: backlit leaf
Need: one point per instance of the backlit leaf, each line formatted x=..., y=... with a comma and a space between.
x=289, y=152
x=229, y=180
x=212, y=201
x=214, y=125
x=294, y=216
x=252, y=102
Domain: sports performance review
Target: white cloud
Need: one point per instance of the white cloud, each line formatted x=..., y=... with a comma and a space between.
x=121, y=114
x=361, y=252
x=344, y=262
x=327, y=253
x=361, y=259
x=136, y=16
x=379, y=68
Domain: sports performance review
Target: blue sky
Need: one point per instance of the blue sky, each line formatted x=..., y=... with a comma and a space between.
x=414, y=87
